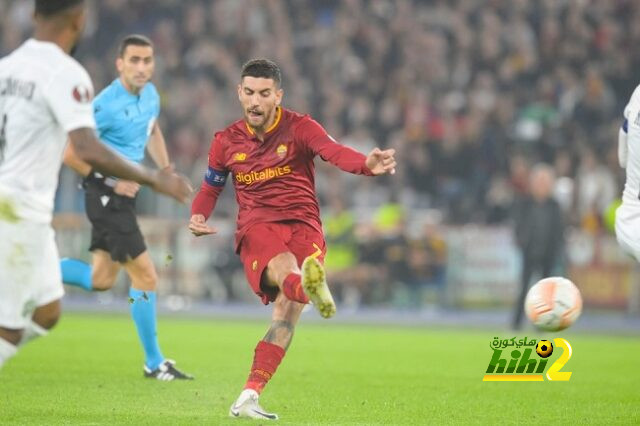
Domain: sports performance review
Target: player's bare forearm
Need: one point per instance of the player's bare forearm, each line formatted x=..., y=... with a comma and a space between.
x=122, y=187
x=88, y=149
x=72, y=160
x=157, y=148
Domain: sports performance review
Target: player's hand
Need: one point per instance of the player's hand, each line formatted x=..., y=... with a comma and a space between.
x=170, y=183
x=381, y=162
x=198, y=226
x=126, y=188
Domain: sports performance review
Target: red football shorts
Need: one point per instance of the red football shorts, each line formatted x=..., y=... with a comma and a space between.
x=263, y=241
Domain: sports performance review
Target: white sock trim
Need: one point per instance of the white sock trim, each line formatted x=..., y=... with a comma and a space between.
x=7, y=350
x=246, y=393
x=37, y=329
x=32, y=331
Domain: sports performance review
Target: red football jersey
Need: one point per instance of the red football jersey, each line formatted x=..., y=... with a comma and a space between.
x=274, y=179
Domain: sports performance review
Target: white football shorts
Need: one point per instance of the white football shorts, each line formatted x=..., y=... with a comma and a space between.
x=29, y=271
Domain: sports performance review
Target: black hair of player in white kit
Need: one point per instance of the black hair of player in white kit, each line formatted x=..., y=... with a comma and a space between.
x=50, y=8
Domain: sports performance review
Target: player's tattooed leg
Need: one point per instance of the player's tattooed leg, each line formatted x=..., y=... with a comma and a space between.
x=280, y=333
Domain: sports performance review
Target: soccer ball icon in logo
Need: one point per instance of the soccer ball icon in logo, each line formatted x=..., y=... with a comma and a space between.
x=544, y=348
x=553, y=304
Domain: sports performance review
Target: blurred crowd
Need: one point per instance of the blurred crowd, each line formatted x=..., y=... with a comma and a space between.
x=470, y=93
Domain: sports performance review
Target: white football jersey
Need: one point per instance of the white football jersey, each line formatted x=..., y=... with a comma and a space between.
x=44, y=94
x=628, y=214
x=631, y=191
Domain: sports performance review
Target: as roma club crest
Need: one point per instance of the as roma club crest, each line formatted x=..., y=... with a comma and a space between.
x=281, y=150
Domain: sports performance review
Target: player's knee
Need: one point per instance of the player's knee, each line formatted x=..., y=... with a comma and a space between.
x=102, y=281
x=49, y=321
x=281, y=266
x=47, y=317
x=11, y=336
x=146, y=280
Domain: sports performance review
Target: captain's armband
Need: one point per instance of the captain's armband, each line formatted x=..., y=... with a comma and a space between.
x=215, y=177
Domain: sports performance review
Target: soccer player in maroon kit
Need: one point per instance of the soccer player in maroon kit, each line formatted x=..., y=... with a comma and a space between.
x=279, y=238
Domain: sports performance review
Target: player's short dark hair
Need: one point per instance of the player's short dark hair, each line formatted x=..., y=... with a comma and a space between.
x=262, y=68
x=53, y=7
x=133, y=40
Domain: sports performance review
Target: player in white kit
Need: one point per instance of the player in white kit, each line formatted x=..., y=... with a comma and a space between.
x=628, y=214
x=45, y=98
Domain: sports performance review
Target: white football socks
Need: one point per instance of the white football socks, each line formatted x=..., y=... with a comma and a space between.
x=7, y=350
x=32, y=331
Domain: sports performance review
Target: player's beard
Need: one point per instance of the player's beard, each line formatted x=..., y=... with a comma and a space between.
x=265, y=119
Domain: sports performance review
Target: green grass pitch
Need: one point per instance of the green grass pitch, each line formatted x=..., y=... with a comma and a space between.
x=89, y=371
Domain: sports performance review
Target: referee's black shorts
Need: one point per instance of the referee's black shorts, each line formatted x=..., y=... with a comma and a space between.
x=113, y=219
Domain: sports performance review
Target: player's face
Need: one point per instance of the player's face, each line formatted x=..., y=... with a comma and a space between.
x=259, y=98
x=136, y=67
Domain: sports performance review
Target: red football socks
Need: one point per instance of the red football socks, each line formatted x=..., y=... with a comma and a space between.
x=265, y=362
x=292, y=288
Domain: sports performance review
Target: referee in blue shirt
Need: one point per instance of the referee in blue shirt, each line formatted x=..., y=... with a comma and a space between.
x=126, y=115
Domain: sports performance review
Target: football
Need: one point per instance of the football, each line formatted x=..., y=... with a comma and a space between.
x=553, y=304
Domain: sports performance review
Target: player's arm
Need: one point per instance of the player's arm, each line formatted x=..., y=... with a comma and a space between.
x=378, y=162
x=88, y=149
x=205, y=200
x=623, y=144
x=158, y=148
x=71, y=160
x=126, y=188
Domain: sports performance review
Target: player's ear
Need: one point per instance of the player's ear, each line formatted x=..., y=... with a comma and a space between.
x=78, y=20
x=279, y=94
x=240, y=92
x=120, y=64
